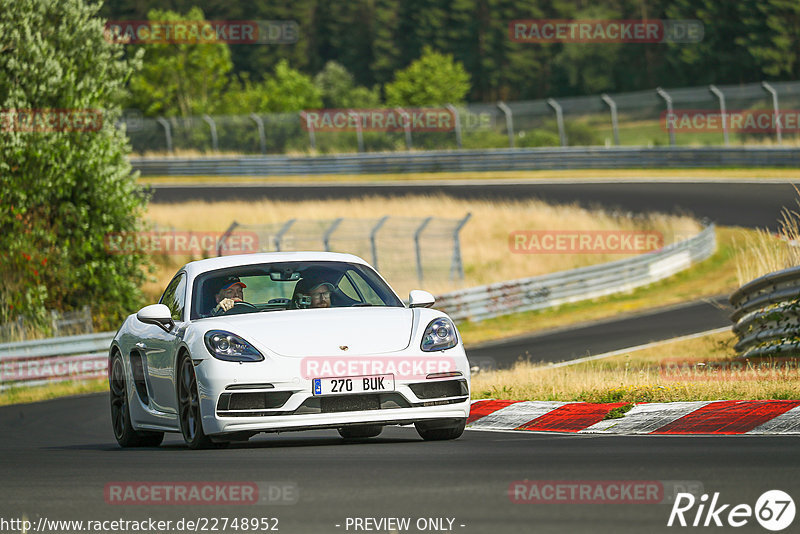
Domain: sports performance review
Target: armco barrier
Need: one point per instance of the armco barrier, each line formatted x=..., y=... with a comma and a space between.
x=82, y=357
x=767, y=315
x=55, y=359
x=518, y=159
x=549, y=290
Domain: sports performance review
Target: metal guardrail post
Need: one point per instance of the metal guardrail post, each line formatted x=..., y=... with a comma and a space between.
x=406, y=126
x=261, y=137
x=668, y=99
x=509, y=122
x=213, y=126
x=614, y=123
x=456, y=123
x=456, y=265
x=775, y=109
x=373, y=233
x=312, y=138
x=417, y=233
x=723, y=111
x=225, y=236
x=359, y=131
x=167, y=132
x=326, y=237
x=562, y=134
x=285, y=228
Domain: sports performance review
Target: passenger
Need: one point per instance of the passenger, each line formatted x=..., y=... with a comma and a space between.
x=311, y=293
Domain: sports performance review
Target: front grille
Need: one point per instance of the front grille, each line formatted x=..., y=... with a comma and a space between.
x=352, y=403
x=441, y=389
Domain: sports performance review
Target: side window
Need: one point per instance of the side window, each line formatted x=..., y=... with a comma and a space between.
x=175, y=296
x=347, y=288
x=365, y=289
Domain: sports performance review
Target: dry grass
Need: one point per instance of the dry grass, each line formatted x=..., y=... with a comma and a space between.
x=646, y=375
x=764, y=252
x=484, y=240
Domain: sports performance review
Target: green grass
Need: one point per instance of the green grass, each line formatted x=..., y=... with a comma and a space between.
x=21, y=395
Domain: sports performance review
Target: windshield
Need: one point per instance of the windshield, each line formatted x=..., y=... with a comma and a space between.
x=288, y=286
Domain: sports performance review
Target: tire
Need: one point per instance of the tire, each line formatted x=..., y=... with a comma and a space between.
x=360, y=431
x=120, y=410
x=441, y=430
x=189, y=413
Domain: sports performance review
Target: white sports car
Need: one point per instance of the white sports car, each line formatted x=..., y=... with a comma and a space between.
x=239, y=345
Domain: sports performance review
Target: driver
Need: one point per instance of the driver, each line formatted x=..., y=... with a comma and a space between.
x=229, y=294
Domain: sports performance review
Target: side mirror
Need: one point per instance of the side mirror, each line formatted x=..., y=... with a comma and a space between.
x=418, y=298
x=157, y=314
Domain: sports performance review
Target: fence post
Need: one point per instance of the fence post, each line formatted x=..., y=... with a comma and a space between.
x=416, y=246
x=562, y=134
x=406, y=126
x=212, y=125
x=670, y=122
x=457, y=266
x=509, y=122
x=311, y=137
x=372, y=235
x=776, y=109
x=222, y=239
x=722, y=109
x=329, y=232
x=285, y=228
x=359, y=131
x=167, y=132
x=456, y=125
x=614, y=123
x=261, y=137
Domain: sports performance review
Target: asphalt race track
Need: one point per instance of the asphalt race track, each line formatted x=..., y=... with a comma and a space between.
x=58, y=456
x=735, y=203
x=576, y=341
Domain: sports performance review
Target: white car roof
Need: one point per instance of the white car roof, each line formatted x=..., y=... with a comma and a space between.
x=195, y=268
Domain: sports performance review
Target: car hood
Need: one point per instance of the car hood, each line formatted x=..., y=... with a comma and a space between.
x=302, y=333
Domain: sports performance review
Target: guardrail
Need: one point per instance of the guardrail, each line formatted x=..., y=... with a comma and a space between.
x=767, y=315
x=56, y=359
x=83, y=357
x=473, y=160
x=538, y=292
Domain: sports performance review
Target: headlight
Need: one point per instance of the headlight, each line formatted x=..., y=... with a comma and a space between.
x=440, y=335
x=230, y=347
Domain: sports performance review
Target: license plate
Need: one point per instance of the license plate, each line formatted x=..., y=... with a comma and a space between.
x=353, y=384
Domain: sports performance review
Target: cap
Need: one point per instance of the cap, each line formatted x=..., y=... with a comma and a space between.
x=230, y=282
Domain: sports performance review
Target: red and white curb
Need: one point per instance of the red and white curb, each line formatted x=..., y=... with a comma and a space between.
x=708, y=417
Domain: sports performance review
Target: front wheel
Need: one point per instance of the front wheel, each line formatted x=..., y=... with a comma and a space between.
x=189, y=408
x=441, y=430
x=124, y=432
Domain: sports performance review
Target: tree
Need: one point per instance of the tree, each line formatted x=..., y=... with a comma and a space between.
x=338, y=89
x=431, y=80
x=64, y=186
x=181, y=79
x=290, y=90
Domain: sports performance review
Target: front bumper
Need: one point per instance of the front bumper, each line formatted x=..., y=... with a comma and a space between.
x=286, y=401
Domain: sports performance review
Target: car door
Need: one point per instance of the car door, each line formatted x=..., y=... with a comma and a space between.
x=161, y=348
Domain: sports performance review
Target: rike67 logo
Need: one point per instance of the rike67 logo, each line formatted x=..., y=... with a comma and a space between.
x=774, y=510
